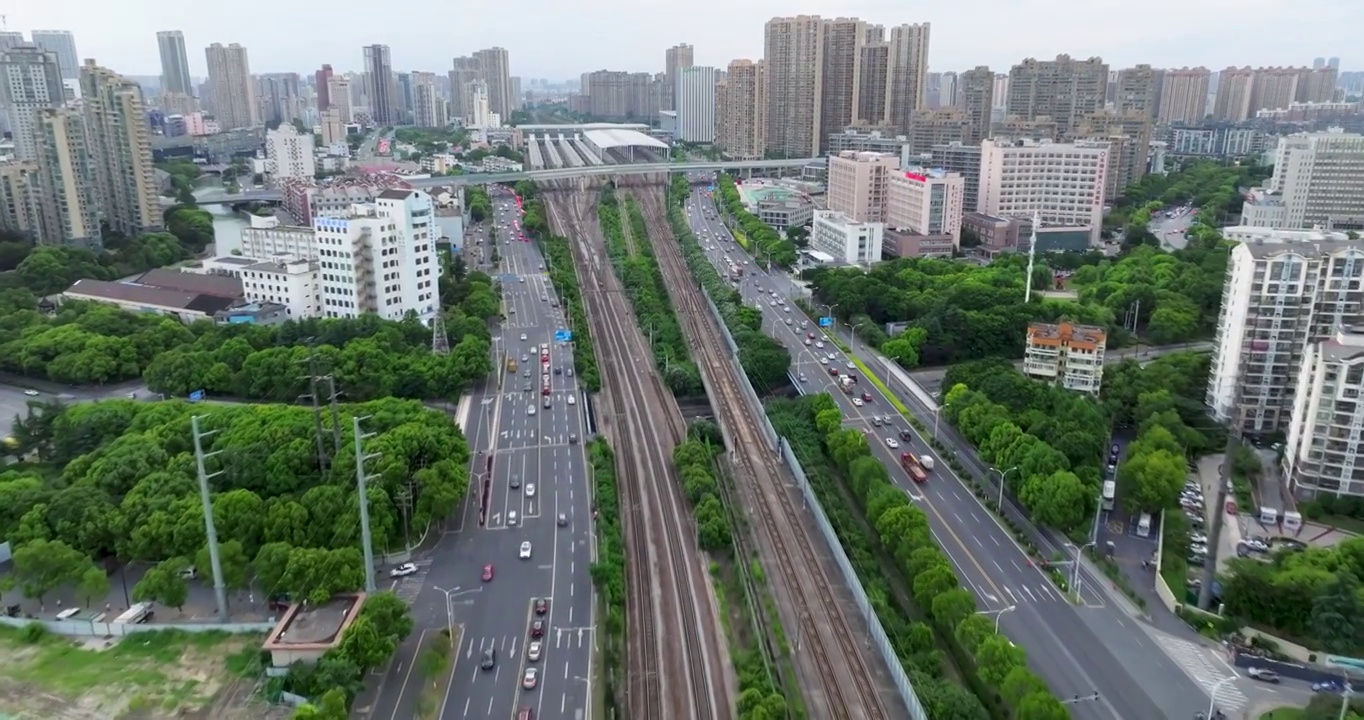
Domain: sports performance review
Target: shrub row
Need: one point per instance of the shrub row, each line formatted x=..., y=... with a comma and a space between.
x=996, y=668
x=608, y=572
x=643, y=281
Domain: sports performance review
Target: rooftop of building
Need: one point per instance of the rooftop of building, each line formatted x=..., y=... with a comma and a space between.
x=307, y=626
x=1066, y=333
x=395, y=194
x=581, y=127
x=282, y=265
x=868, y=156
x=834, y=217
x=616, y=137
x=766, y=193
x=1346, y=346
x=1309, y=249
x=924, y=174
x=150, y=297
x=170, y=279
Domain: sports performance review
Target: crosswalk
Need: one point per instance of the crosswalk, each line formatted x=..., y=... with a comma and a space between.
x=511, y=646
x=1202, y=665
x=410, y=586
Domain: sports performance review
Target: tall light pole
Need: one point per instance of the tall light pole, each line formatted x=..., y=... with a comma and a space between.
x=999, y=506
x=998, y=614
x=1075, y=566
x=361, y=480
x=210, y=532
x=852, y=336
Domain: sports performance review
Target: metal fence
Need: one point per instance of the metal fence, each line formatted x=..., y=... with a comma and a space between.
x=90, y=628
x=783, y=448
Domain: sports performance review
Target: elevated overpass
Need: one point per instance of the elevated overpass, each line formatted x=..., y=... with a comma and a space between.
x=551, y=174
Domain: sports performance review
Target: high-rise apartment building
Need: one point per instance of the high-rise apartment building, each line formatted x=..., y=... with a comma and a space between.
x=481, y=114
x=942, y=90
x=938, y=127
x=793, y=57
x=1064, y=90
x=872, y=79
x=741, y=108
x=1136, y=91
x=1318, y=181
x=495, y=70
x=906, y=89
x=120, y=148
x=18, y=211
x=333, y=130
x=840, y=74
x=1063, y=182
x=518, y=98
x=177, y=86
x=1274, y=88
x=696, y=104
x=466, y=70
x=340, y=99
x=1184, y=96
x=615, y=94
x=322, y=82
x=231, y=87
x=381, y=86
x=675, y=59
x=9, y=39
x=1325, y=438
x=279, y=97
x=1001, y=91
x=63, y=43
x=383, y=258
x=68, y=214
x=289, y=154
x=1279, y=298
x=428, y=105
x=976, y=92
x=1235, y=88
x=30, y=81
x=964, y=160
x=857, y=184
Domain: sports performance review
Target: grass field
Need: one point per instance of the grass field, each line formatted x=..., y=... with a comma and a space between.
x=146, y=675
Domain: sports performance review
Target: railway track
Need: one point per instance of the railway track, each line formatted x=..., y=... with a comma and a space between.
x=840, y=670
x=666, y=591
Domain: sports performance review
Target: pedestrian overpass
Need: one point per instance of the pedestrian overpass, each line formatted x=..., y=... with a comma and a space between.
x=551, y=174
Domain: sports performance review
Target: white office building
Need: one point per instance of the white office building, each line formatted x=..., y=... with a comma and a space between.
x=696, y=104
x=1279, y=297
x=1062, y=182
x=926, y=201
x=1318, y=181
x=290, y=154
x=846, y=240
x=290, y=281
x=481, y=115
x=1324, y=452
x=381, y=258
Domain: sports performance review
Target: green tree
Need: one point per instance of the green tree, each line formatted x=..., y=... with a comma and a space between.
x=41, y=566
x=364, y=645
x=953, y=606
x=233, y=560
x=93, y=584
x=1061, y=501
x=390, y=615
x=1020, y=683
x=996, y=657
x=164, y=583
x=1335, y=614
x=1041, y=706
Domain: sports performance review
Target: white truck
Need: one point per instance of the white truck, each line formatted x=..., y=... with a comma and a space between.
x=927, y=462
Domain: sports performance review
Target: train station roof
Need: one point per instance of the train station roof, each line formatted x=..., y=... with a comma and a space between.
x=606, y=139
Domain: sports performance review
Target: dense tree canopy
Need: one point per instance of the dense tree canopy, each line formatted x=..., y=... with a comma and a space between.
x=1210, y=186
x=766, y=362
x=755, y=235
x=640, y=275
x=1312, y=595
x=120, y=482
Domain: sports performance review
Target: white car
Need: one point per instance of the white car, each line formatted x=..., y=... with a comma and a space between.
x=892, y=443
x=530, y=489
x=402, y=570
x=572, y=400
x=850, y=366
x=523, y=337
x=530, y=410
x=533, y=651
x=857, y=402
x=819, y=344
x=824, y=361
x=31, y=393
x=525, y=550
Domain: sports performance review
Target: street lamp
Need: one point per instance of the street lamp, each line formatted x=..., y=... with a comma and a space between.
x=1212, y=693
x=998, y=614
x=999, y=506
x=1075, y=565
x=852, y=336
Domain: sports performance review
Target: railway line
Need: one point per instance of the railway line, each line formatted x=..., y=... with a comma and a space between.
x=834, y=672
x=677, y=663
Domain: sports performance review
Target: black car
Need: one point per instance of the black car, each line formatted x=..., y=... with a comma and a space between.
x=489, y=660
x=515, y=482
x=906, y=435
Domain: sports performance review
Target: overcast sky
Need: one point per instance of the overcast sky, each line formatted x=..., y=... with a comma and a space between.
x=558, y=39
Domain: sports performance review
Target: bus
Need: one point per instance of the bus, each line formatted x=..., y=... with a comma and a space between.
x=1110, y=493
x=138, y=613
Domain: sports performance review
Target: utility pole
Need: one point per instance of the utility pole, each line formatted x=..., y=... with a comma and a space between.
x=1032, y=256
x=219, y=589
x=332, y=399
x=361, y=488
x=440, y=342
x=323, y=461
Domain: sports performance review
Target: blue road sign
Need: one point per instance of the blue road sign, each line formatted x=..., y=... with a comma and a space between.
x=563, y=336
x=196, y=396
x=826, y=322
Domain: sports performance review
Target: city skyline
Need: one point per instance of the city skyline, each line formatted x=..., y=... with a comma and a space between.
x=123, y=37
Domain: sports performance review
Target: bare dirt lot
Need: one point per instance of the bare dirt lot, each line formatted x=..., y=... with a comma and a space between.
x=147, y=676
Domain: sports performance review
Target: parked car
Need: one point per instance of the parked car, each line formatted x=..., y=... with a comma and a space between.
x=402, y=570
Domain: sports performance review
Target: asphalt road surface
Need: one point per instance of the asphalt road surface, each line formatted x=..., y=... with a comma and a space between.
x=1096, y=653
x=530, y=446
x=1170, y=231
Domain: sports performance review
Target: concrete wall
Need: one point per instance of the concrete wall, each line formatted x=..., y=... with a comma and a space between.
x=111, y=629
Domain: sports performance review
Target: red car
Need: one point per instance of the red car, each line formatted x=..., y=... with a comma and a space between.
x=487, y=573
x=541, y=606
x=833, y=371
x=537, y=629
x=866, y=397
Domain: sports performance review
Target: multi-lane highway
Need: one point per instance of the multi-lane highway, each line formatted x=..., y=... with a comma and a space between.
x=1096, y=654
x=537, y=491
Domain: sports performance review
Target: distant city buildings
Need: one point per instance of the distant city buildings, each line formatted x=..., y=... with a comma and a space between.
x=289, y=153
x=232, y=90
x=1318, y=181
